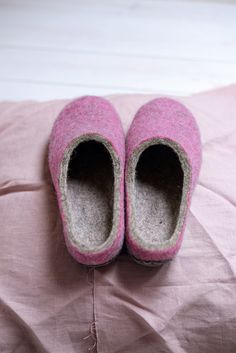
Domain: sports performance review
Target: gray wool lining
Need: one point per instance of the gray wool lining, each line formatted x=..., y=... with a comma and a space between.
x=90, y=190
x=158, y=180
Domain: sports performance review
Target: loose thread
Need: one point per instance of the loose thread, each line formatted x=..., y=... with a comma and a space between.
x=92, y=335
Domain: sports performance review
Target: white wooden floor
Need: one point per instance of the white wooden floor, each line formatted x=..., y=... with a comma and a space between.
x=65, y=48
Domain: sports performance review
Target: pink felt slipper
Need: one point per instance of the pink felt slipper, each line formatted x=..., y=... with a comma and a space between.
x=163, y=161
x=86, y=160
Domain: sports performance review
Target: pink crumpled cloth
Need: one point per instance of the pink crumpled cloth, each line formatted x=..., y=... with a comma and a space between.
x=49, y=303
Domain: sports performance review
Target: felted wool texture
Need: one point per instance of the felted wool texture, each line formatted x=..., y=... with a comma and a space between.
x=163, y=161
x=89, y=126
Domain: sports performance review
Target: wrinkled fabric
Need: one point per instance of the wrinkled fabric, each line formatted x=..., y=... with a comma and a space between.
x=50, y=303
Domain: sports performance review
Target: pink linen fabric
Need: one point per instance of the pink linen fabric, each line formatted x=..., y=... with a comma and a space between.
x=94, y=116
x=170, y=120
x=50, y=303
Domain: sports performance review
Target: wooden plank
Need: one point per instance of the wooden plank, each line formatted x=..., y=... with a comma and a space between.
x=112, y=72
x=158, y=29
x=102, y=47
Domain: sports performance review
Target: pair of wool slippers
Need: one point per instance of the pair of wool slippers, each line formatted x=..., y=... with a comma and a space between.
x=91, y=163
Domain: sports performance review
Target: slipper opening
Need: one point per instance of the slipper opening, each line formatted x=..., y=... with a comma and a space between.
x=158, y=191
x=90, y=193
